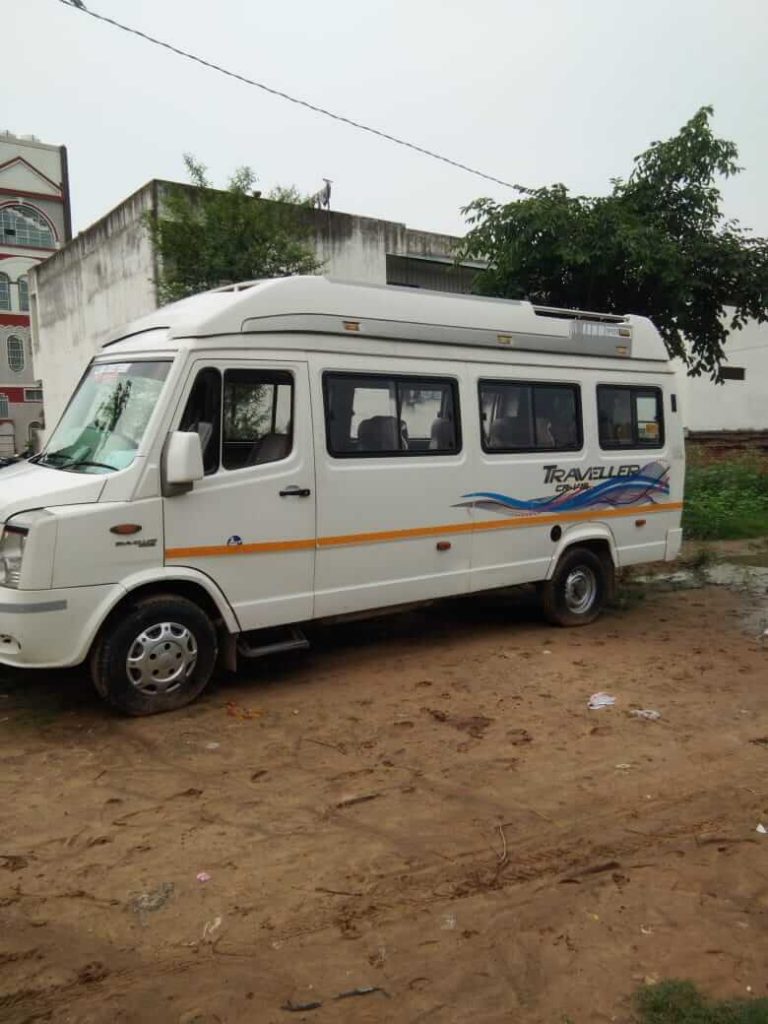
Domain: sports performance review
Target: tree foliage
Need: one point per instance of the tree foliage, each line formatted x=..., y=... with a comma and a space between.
x=205, y=237
x=658, y=244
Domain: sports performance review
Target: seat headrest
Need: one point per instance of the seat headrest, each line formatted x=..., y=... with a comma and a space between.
x=441, y=436
x=379, y=434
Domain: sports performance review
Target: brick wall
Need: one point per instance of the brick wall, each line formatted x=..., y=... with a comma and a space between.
x=717, y=445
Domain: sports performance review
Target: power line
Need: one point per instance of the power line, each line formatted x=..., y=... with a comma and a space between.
x=79, y=6
x=746, y=348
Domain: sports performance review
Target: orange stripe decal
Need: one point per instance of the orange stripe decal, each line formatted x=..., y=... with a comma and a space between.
x=215, y=550
x=413, y=533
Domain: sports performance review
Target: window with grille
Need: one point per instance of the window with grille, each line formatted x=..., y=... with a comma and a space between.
x=15, y=354
x=5, y=291
x=3, y=407
x=24, y=225
x=23, y=294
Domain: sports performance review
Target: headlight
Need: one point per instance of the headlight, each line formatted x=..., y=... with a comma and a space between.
x=11, y=553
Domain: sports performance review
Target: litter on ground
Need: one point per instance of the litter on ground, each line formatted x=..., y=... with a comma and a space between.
x=600, y=700
x=646, y=713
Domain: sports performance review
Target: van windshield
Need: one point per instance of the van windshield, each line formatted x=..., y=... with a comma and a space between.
x=105, y=421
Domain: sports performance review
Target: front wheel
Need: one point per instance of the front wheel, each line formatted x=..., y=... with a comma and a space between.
x=578, y=590
x=158, y=657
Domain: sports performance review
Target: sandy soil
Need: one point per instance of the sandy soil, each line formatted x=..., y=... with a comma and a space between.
x=421, y=805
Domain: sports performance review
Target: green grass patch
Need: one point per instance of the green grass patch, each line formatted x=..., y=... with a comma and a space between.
x=726, y=500
x=680, y=1002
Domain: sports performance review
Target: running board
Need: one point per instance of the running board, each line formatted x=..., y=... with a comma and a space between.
x=296, y=641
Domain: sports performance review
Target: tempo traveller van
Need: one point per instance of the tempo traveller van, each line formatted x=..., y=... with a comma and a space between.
x=247, y=460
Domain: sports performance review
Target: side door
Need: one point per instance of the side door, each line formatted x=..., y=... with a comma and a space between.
x=391, y=469
x=250, y=523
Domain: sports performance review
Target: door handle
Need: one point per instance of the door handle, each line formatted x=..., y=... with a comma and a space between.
x=295, y=492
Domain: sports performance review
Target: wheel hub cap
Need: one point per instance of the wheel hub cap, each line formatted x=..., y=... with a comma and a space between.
x=161, y=658
x=580, y=590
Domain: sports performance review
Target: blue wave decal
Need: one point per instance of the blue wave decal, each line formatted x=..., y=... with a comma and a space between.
x=646, y=486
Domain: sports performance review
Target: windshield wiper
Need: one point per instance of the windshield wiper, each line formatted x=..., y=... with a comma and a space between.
x=45, y=457
x=87, y=462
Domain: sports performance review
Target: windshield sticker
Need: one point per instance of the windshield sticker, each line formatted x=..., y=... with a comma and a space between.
x=110, y=371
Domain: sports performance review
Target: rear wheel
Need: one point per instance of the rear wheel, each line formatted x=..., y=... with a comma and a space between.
x=578, y=590
x=157, y=657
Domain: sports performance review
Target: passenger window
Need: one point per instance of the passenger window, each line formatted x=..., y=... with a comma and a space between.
x=203, y=415
x=258, y=417
x=629, y=417
x=383, y=415
x=517, y=416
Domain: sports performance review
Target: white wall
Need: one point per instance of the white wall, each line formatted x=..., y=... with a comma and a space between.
x=40, y=154
x=103, y=278
x=351, y=248
x=734, y=404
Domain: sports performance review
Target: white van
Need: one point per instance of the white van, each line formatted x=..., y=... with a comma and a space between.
x=246, y=460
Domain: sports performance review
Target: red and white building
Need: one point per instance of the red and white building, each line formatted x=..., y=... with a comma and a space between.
x=34, y=222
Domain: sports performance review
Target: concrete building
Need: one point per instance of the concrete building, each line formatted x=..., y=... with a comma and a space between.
x=34, y=223
x=731, y=418
x=108, y=274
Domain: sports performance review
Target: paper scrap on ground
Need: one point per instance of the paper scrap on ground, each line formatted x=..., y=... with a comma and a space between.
x=762, y=830
x=647, y=713
x=600, y=700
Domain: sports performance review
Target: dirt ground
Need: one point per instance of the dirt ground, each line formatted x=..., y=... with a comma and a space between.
x=422, y=805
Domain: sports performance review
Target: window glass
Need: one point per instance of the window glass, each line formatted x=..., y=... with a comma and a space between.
x=105, y=422
x=15, y=354
x=258, y=417
x=24, y=225
x=369, y=415
x=23, y=294
x=3, y=407
x=647, y=418
x=33, y=394
x=427, y=421
x=556, y=417
x=614, y=416
x=203, y=415
x=629, y=417
x=372, y=399
x=5, y=292
x=529, y=417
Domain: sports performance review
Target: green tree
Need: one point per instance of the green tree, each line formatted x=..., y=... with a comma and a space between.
x=206, y=237
x=658, y=244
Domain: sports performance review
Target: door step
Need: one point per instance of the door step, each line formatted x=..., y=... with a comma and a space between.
x=261, y=642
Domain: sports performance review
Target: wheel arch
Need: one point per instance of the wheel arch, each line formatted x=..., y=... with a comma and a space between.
x=192, y=585
x=595, y=537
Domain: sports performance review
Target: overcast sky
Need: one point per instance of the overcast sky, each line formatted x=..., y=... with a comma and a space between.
x=554, y=90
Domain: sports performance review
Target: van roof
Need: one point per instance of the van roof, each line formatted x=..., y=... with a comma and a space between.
x=323, y=305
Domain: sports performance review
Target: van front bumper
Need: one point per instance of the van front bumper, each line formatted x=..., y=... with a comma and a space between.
x=52, y=628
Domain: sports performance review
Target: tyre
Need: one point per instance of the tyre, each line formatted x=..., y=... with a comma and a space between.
x=156, y=657
x=579, y=588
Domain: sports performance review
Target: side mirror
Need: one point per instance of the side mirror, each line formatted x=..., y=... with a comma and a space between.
x=183, y=462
